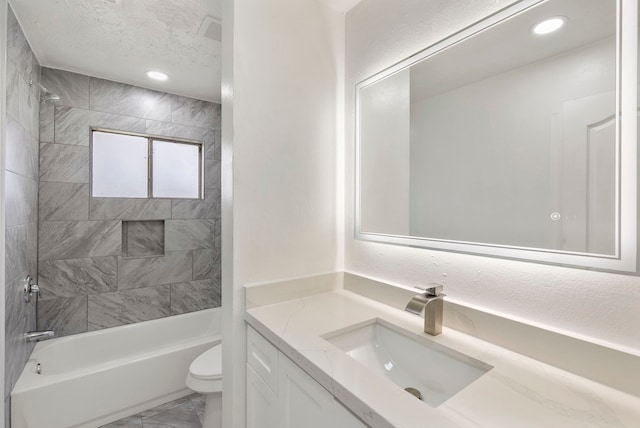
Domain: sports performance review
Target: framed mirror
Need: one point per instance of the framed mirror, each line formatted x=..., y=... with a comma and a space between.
x=515, y=137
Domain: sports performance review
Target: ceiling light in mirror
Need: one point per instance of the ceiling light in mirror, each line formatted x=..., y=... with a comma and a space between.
x=157, y=75
x=549, y=25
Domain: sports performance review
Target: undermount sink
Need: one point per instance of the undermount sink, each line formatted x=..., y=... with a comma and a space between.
x=409, y=360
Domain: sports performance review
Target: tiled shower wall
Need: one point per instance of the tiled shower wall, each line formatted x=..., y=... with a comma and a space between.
x=21, y=187
x=87, y=282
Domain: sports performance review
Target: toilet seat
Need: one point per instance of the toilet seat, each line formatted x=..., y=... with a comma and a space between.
x=205, y=372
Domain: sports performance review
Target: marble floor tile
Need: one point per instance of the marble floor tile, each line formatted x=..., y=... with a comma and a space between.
x=130, y=422
x=180, y=402
x=182, y=413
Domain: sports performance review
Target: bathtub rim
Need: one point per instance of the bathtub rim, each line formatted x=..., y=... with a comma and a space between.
x=30, y=380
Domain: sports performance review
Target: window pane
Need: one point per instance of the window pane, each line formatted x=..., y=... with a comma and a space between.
x=176, y=170
x=119, y=166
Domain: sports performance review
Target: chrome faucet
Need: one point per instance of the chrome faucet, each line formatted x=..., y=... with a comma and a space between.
x=36, y=336
x=430, y=305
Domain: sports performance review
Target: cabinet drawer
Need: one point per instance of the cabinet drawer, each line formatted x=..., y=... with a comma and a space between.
x=262, y=403
x=262, y=356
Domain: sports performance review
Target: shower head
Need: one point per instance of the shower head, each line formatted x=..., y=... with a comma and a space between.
x=49, y=98
x=46, y=96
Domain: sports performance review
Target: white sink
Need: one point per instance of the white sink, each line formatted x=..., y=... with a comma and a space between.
x=409, y=360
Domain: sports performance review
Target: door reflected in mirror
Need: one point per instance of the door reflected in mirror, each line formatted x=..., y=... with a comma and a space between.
x=505, y=136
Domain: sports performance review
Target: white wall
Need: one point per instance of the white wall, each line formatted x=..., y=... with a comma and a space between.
x=602, y=307
x=280, y=91
x=515, y=124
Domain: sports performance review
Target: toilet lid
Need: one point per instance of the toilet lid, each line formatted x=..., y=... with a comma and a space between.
x=208, y=366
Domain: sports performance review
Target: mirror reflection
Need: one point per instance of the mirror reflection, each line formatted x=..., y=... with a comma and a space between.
x=508, y=137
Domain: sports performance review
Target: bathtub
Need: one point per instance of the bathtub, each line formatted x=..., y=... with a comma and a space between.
x=94, y=378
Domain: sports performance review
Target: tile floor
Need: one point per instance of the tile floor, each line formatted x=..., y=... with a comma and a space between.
x=187, y=412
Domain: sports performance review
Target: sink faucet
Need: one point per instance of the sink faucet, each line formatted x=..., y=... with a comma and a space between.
x=36, y=336
x=430, y=304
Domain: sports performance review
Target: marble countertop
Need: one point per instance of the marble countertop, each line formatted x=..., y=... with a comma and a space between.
x=518, y=392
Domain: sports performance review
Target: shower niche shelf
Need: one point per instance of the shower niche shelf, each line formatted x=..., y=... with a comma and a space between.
x=143, y=238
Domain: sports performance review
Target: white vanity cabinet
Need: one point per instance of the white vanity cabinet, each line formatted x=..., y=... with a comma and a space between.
x=302, y=402
x=262, y=402
x=281, y=394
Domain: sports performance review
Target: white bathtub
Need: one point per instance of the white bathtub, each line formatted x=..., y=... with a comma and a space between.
x=91, y=379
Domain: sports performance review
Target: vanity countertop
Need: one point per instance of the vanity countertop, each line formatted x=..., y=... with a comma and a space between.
x=518, y=392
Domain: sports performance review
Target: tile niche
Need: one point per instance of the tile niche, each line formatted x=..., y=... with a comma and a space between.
x=143, y=238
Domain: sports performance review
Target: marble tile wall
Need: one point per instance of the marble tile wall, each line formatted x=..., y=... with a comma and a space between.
x=21, y=187
x=90, y=277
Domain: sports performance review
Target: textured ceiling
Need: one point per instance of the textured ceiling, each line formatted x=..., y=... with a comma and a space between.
x=121, y=39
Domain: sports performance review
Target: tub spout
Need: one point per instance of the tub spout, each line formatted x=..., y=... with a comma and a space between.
x=36, y=336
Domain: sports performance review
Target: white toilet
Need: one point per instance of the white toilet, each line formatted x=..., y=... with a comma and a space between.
x=205, y=377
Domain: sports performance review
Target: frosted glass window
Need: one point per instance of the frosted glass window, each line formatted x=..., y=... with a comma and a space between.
x=139, y=166
x=176, y=170
x=119, y=166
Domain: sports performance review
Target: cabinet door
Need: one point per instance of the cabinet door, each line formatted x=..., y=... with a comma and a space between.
x=343, y=418
x=303, y=403
x=262, y=403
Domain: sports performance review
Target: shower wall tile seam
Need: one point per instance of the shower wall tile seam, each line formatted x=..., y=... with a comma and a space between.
x=55, y=143
x=170, y=297
x=123, y=219
x=142, y=287
x=199, y=128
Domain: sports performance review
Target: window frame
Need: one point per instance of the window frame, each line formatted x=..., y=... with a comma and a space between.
x=150, y=139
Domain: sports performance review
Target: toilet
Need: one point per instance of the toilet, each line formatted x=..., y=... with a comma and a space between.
x=205, y=377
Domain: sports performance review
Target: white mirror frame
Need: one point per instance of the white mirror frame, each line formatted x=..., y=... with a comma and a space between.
x=625, y=257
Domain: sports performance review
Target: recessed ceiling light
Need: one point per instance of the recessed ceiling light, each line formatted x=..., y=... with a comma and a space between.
x=549, y=25
x=157, y=75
